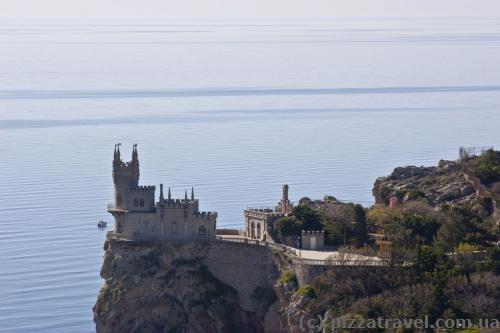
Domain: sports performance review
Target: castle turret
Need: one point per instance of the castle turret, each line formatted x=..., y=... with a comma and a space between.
x=125, y=176
x=285, y=206
x=162, y=198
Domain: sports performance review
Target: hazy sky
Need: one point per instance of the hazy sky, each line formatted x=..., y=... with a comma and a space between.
x=245, y=8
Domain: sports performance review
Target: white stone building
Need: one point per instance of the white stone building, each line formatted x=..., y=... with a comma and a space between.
x=313, y=240
x=138, y=217
x=258, y=221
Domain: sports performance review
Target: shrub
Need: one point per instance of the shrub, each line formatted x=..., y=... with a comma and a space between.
x=466, y=248
x=307, y=291
x=309, y=218
x=487, y=167
x=288, y=277
x=287, y=226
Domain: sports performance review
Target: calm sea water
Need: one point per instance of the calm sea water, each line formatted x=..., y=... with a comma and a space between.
x=234, y=109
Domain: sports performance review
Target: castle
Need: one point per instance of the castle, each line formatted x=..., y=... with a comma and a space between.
x=139, y=218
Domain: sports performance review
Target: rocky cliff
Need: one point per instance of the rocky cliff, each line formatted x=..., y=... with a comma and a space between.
x=437, y=185
x=190, y=287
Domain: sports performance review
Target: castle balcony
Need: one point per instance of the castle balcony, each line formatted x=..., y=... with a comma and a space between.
x=114, y=236
x=111, y=208
x=262, y=212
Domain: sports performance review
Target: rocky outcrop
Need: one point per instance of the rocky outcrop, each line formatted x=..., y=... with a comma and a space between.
x=442, y=184
x=190, y=287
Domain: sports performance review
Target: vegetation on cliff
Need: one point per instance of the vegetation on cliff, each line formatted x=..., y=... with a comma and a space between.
x=347, y=225
x=437, y=286
x=433, y=218
x=487, y=167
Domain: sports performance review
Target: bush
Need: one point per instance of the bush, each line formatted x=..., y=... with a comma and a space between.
x=287, y=226
x=310, y=219
x=487, y=167
x=288, y=277
x=405, y=230
x=493, y=260
x=307, y=291
x=466, y=248
x=301, y=218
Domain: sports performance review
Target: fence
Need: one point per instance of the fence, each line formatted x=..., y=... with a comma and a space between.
x=483, y=191
x=466, y=152
x=295, y=254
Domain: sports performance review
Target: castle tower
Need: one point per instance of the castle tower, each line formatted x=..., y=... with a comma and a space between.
x=125, y=176
x=285, y=206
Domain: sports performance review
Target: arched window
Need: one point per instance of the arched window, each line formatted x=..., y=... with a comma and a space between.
x=118, y=200
x=136, y=203
x=142, y=202
x=202, y=231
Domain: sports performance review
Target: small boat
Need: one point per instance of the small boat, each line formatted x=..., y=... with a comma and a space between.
x=102, y=224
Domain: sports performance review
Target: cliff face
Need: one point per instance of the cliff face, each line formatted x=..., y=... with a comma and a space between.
x=443, y=184
x=191, y=287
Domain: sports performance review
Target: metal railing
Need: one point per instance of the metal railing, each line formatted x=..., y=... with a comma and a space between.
x=295, y=254
x=466, y=152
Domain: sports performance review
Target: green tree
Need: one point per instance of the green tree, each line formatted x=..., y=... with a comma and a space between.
x=309, y=218
x=360, y=227
x=487, y=167
x=426, y=261
x=288, y=226
x=335, y=233
x=451, y=232
x=493, y=260
x=405, y=229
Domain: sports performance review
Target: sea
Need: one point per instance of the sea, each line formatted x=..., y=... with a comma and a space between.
x=233, y=108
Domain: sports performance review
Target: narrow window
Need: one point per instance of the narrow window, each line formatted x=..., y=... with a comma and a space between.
x=136, y=203
x=142, y=202
x=202, y=231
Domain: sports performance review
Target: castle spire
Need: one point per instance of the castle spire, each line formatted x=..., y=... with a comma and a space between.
x=192, y=193
x=169, y=195
x=135, y=156
x=116, y=156
x=186, y=195
x=162, y=199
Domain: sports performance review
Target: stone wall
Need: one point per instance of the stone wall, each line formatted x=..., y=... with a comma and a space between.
x=245, y=267
x=307, y=273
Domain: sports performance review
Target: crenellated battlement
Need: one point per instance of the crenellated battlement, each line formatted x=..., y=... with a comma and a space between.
x=205, y=215
x=262, y=213
x=142, y=189
x=312, y=232
x=177, y=203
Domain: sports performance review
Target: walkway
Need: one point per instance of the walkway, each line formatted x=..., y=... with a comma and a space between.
x=311, y=257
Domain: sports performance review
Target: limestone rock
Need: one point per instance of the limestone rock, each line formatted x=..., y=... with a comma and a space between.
x=186, y=288
x=442, y=184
